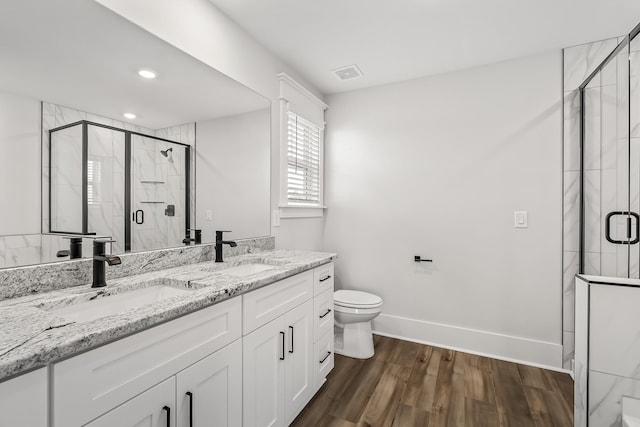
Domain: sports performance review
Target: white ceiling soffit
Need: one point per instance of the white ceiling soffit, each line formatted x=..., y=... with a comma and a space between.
x=395, y=40
x=79, y=54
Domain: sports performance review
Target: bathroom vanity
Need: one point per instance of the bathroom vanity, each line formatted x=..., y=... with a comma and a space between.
x=607, y=353
x=245, y=342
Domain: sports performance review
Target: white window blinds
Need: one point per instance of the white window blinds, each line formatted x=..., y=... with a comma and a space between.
x=303, y=161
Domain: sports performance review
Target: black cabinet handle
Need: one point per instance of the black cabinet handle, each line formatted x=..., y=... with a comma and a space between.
x=282, y=336
x=190, y=408
x=291, y=351
x=326, y=278
x=325, y=358
x=322, y=316
x=166, y=408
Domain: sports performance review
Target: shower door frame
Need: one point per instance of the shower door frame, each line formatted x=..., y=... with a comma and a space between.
x=127, y=177
x=625, y=43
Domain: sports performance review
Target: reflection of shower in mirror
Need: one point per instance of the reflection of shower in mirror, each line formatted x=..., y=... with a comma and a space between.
x=166, y=152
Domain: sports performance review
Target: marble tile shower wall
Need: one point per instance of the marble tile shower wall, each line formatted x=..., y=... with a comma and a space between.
x=579, y=62
x=185, y=134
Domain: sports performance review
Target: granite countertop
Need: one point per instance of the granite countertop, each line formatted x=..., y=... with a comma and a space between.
x=32, y=336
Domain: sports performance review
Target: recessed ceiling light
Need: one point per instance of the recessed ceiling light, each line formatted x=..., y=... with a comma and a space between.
x=129, y=115
x=147, y=74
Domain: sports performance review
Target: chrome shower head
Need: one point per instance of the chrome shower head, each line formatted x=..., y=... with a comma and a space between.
x=166, y=152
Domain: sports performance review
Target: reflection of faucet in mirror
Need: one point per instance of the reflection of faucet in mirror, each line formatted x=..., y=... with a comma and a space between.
x=220, y=242
x=99, y=258
x=75, y=248
x=197, y=239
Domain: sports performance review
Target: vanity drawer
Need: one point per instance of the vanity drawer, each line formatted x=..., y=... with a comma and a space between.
x=265, y=304
x=92, y=383
x=323, y=313
x=323, y=358
x=323, y=278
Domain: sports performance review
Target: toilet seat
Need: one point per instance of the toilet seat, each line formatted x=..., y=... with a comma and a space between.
x=356, y=299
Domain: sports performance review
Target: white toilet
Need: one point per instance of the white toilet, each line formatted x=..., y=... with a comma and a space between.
x=353, y=312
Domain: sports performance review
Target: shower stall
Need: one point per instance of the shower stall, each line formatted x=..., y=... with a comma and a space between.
x=610, y=164
x=129, y=186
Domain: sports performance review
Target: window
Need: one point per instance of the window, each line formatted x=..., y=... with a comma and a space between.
x=301, y=151
x=303, y=162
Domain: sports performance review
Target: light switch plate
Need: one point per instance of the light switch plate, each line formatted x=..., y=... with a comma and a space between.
x=520, y=219
x=275, y=218
x=209, y=215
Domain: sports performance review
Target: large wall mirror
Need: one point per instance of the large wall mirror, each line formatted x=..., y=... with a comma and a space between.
x=73, y=167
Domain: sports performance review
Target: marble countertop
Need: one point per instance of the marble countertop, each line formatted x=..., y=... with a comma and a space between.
x=32, y=336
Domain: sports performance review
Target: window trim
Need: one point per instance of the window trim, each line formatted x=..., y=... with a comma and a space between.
x=287, y=209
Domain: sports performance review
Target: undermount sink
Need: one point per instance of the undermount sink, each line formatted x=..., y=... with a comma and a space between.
x=113, y=304
x=247, y=269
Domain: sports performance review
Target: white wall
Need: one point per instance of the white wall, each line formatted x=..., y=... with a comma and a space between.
x=19, y=164
x=436, y=167
x=200, y=29
x=233, y=175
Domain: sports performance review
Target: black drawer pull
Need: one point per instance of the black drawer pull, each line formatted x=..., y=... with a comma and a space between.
x=166, y=408
x=326, y=278
x=322, y=316
x=282, y=336
x=291, y=327
x=325, y=358
x=190, y=408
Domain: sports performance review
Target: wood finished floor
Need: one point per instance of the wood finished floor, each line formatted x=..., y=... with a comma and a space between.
x=413, y=385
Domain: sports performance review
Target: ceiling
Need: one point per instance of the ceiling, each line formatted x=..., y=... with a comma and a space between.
x=78, y=54
x=395, y=40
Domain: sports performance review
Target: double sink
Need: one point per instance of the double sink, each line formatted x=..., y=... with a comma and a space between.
x=144, y=292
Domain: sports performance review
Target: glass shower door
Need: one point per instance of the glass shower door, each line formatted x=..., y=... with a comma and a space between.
x=158, y=193
x=610, y=185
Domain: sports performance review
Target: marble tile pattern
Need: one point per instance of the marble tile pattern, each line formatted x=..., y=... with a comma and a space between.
x=36, y=279
x=31, y=337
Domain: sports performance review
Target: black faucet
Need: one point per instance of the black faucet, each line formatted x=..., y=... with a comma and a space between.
x=197, y=239
x=99, y=258
x=220, y=242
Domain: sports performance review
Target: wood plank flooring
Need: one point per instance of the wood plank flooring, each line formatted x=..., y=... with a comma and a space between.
x=413, y=385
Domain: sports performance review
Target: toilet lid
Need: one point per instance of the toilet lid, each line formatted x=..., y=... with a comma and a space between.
x=356, y=298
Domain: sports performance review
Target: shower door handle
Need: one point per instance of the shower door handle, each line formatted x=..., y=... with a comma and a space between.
x=138, y=216
x=630, y=216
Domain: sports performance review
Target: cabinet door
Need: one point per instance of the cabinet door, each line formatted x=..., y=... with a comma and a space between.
x=214, y=385
x=299, y=369
x=153, y=408
x=23, y=400
x=263, y=375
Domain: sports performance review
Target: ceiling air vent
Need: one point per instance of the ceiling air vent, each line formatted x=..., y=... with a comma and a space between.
x=347, y=73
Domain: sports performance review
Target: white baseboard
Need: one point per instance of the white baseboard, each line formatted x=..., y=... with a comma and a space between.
x=525, y=351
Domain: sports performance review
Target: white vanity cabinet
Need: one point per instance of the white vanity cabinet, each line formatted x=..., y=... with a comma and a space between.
x=252, y=360
x=23, y=400
x=282, y=324
x=93, y=383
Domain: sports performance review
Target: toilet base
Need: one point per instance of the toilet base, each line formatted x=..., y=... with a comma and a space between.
x=354, y=340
